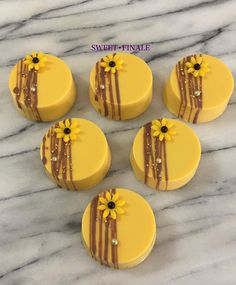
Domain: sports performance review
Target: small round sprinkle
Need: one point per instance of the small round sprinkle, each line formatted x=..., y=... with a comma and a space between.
x=102, y=86
x=114, y=241
x=158, y=160
x=54, y=158
x=33, y=89
x=197, y=93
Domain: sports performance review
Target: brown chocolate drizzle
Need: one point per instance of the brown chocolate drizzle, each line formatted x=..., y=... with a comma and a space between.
x=154, y=149
x=108, y=229
x=26, y=85
x=188, y=85
x=106, y=80
x=60, y=157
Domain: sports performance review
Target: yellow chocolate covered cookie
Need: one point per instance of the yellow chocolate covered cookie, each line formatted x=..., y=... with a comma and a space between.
x=120, y=86
x=42, y=87
x=75, y=154
x=165, y=154
x=199, y=88
x=118, y=228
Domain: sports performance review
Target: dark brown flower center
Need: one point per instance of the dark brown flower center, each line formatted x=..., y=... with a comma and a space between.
x=111, y=205
x=67, y=131
x=164, y=129
x=197, y=66
x=112, y=63
x=35, y=60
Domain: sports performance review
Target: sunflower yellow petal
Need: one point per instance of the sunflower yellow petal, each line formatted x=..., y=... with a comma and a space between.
x=61, y=125
x=101, y=207
x=34, y=54
x=120, y=203
x=105, y=214
x=30, y=66
x=167, y=136
x=107, y=69
x=73, y=125
x=108, y=196
x=66, y=138
x=201, y=72
x=156, y=133
x=76, y=131
x=110, y=56
x=195, y=73
x=188, y=64
x=40, y=55
x=58, y=130
x=27, y=61
x=115, y=197
x=106, y=59
x=163, y=122
x=191, y=69
x=36, y=66
x=116, y=57
x=119, y=62
x=193, y=60
x=119, y=67
x=161, y=136
x=41, y=64
x=104, y=64
x=60, y=135
x=155, y=127
x=199, y=60
x=113, y=70
x=67, y=123
x=157, y=123
x=113, y=214
x=119, y=210
x=29, y=57
x=169, y=124
x=102, y=200
x=73, y=136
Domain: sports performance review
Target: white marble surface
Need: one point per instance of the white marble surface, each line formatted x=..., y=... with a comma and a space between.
x=40, y=224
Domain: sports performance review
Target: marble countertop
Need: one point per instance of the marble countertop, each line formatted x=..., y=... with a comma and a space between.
x=40, y=225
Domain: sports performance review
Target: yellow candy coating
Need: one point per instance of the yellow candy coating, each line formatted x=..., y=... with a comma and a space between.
x=169, y=164
x=202, y=98
x=124, y=94
x=80, y=163
x=125, y=241
x=43, y=95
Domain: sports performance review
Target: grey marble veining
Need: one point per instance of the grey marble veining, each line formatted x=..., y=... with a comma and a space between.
x=40, y=224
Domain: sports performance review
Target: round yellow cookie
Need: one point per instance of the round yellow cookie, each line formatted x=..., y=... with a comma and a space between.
x=165, y=154
x=75, y=154
x=118, y=228
x=199, y=88
x=120, y=86
x=42, y=87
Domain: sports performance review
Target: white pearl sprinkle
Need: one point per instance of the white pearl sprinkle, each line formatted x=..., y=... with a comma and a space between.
x=158, y=160
x=114, y=241
x=54, y=158
x=102, y=86
x=33, y=89
x=197, y=93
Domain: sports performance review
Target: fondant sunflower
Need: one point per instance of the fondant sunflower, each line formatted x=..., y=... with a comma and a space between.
x=112, y=63
x=197, y=66
x=35, y=60
x=111, y=205
x=163, y=129
x=67, y=130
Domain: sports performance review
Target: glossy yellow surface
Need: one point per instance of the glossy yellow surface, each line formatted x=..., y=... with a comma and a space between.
x=135, y=84
x=91, y=157
x=183, y=156
x=217, y=86
x=56, y=90
x=136, y=230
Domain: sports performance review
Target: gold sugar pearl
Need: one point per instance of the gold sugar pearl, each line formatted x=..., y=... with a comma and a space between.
x=114, y=241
